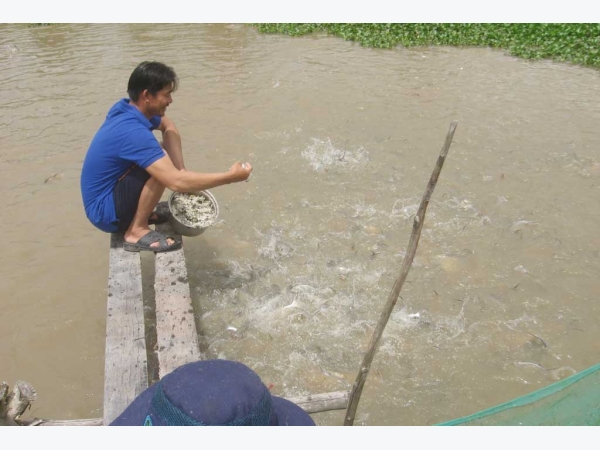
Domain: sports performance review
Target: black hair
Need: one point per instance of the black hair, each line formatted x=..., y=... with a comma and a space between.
x=151, y=75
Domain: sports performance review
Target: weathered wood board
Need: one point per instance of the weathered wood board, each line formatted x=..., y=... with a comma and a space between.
x=322, y=402
x=125, y=367
x=177, y=338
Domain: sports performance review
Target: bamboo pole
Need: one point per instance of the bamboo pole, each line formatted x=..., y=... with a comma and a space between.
x=359, y=383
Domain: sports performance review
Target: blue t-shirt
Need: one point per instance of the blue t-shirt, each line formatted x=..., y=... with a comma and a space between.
x=124, y=138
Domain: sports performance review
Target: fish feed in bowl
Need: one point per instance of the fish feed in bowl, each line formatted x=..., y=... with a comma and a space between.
x=192, y=212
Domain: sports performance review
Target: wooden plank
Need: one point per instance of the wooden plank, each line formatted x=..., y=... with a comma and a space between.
x=322, y=402
x=177, y=338
x=125, y=367
x=65, y=423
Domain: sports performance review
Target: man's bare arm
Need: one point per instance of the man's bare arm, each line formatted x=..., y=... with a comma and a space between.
x=168, y=175
x=171, y=140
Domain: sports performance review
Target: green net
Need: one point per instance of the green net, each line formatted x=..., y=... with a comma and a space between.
x=572, y=401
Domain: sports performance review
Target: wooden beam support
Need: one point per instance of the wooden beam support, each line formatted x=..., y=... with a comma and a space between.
x=322, y=402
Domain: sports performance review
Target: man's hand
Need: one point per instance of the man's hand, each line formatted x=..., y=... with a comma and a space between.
x=240, y=172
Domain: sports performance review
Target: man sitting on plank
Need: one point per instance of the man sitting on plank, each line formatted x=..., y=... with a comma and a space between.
x=126, y=169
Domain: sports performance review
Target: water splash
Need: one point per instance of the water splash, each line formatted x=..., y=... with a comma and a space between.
x=322, y=155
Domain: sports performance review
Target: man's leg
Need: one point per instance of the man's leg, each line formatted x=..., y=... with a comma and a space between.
x=149, y=198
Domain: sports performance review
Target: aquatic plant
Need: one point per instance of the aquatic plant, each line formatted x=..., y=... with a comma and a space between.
x=578, y=43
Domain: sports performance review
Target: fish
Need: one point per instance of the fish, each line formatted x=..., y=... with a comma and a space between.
x=56, y=176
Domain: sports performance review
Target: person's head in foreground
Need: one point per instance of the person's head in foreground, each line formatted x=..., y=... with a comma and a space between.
x=212, y=392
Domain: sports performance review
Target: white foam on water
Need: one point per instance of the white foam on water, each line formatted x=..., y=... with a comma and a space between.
x=273, y=246
x=362, y=210
x=323, y=155
x=405, y=208
x=334, y=260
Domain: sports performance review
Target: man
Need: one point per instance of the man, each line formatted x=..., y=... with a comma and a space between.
x=126, y=169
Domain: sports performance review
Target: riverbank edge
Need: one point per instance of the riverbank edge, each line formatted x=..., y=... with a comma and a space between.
x=577, y=43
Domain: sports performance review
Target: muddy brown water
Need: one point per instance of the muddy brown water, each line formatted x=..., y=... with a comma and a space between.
x=502, y=297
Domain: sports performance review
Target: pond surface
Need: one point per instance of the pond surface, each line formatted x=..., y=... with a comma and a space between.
x=502, y=297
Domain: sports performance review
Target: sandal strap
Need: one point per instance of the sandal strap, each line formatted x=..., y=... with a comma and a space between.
x=155, y=236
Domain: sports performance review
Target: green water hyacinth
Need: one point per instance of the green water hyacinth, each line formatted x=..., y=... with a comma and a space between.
x=578, y=43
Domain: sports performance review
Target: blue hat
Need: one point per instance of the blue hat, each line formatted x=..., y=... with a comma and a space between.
x=212, y=392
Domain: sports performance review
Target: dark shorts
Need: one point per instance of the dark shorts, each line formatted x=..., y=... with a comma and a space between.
x=126, y=194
